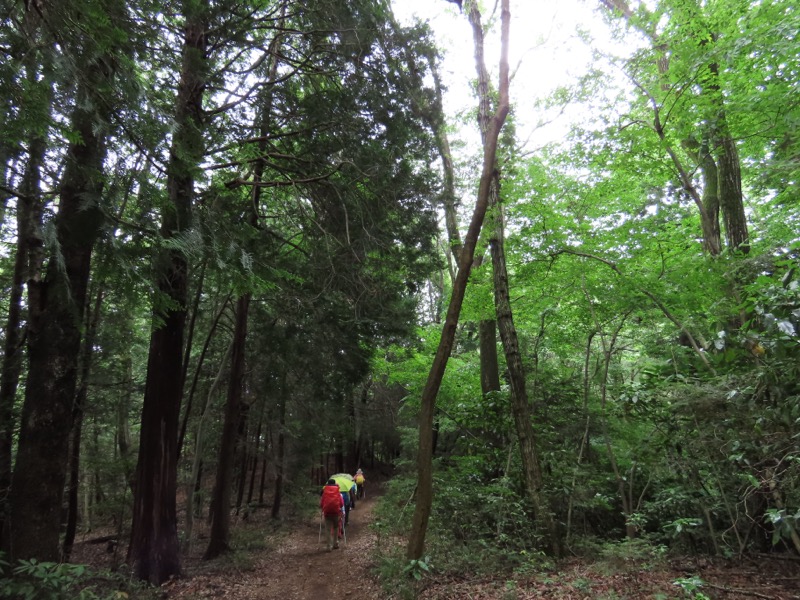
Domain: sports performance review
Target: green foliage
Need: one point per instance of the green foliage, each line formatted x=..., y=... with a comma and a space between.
x=418, y=569
x=784, y=525
x=691, y=587
x=38, y=580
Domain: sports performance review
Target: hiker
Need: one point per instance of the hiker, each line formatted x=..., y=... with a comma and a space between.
x=360, y=481
x=349, y=499
x=347, y=487
x=331, y=504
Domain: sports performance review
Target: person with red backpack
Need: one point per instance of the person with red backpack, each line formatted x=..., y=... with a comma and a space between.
x=331, y=504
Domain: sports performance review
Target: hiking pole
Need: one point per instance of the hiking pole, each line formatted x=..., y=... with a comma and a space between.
x=319, y=538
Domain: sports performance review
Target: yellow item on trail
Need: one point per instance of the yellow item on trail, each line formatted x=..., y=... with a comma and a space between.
x=344, y=481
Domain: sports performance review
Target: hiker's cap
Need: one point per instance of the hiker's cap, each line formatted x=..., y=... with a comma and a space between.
x=331, y=482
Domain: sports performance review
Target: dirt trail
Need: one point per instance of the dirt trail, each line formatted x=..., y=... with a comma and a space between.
x=298, y=568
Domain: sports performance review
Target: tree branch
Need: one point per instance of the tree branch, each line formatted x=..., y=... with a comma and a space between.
x=660, y=305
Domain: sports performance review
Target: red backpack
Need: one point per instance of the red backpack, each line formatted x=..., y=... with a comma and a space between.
x=331, y=500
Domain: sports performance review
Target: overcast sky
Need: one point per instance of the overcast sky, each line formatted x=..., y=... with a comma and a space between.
x=545, y=52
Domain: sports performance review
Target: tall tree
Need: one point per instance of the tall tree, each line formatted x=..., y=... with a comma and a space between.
x=57, y=306
x=219, y=536
x=520, y=404
x=36, y=82
x=686, y=51
x=416, y=542
x=154, y=548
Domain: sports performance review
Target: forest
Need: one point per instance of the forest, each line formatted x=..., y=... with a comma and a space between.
x=245, y=245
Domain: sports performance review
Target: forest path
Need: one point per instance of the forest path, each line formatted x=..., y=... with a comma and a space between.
x=298, y=568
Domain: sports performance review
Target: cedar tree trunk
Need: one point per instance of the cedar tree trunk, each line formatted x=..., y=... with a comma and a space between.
x=219, y=538
x=54, y=334
x=153, y=551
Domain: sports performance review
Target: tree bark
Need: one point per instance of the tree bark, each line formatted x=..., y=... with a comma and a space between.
x=200, y=361
x=431, y=110
x=280, y=453
x=219, y=536
x=193, y=485
x=29, y=211
x=78, y=412
x=154, y=549
x=54, y=333
x=490, y=371
x=520, y=406
x=709, y=217
x=424, y=503
x=242, y=450
x=27, y=265
x=731, y=202
x=256, y=448
x=187, y=353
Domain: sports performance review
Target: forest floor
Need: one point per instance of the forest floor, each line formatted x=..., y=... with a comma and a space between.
x=292, y=563
x=297, y=566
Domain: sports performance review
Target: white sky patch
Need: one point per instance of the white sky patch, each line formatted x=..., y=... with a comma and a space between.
x=546, y=52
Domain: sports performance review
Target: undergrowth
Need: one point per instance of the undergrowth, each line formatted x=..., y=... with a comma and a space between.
x=42, y=580
x=485, y=535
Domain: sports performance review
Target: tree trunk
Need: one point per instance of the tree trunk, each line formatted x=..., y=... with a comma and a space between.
x=123, y=425
x=626, y=498
x=27, y=260
x=54, y=334
x=731, y=200
x=153, y=551
x=187, y=353
x=725, y=165
x=730, y=196
x=78, y=412
x=27, y=265
x=219, y=536
x=256, y=448
x=419, y=526
x=200, y=361
x=280, y=453
x=242, y=448
x=490, y=371
x=432, y=112
x=520, y=407
x=193, y=486
x=73, y=482
x=709, y=217
x=585, y=440
x=262, y=484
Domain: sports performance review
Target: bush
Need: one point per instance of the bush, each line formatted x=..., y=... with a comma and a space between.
x=39, y=580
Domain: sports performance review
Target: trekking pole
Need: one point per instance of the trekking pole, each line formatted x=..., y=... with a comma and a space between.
x=319, y=538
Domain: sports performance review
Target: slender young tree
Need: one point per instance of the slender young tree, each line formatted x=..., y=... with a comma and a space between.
x=419, y=526
x=520, y=404
x=219, y=537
